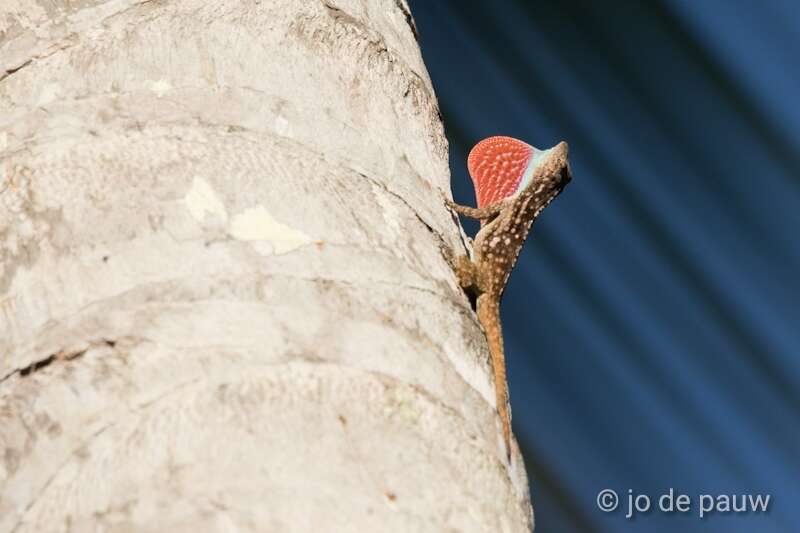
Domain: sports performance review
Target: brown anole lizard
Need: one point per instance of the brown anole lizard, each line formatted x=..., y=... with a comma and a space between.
x=513, y=182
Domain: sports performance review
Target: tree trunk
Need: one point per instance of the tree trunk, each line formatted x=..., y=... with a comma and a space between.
x=223, y=305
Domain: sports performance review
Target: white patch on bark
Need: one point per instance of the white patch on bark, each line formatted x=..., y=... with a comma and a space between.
x=160, y=87
x=202, y=201
x=391, y=215
x=256, y=224
x=49, y=93
x=281, y=125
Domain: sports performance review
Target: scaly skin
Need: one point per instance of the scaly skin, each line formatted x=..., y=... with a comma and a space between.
x=505, y=225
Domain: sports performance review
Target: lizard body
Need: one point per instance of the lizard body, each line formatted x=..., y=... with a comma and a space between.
x=513, y=182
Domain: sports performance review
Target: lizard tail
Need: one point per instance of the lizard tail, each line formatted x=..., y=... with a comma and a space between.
x=488, y=309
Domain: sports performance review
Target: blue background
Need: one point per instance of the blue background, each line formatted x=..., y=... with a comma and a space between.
x=652, y=323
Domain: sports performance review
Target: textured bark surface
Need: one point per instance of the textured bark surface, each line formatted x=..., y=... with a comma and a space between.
x=222, y=301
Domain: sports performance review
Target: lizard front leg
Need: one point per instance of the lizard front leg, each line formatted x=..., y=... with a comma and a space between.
x=478, y=213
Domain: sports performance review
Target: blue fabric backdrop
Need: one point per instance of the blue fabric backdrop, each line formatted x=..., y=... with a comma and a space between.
x=652, y=323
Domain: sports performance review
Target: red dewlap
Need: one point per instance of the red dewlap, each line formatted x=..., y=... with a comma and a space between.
x=496, y=165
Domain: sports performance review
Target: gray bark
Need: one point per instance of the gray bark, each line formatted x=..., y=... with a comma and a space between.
x=222, y=301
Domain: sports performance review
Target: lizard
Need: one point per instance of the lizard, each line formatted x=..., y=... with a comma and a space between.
x=513, y=183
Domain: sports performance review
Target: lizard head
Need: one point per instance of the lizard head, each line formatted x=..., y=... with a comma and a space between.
x=504, y=167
